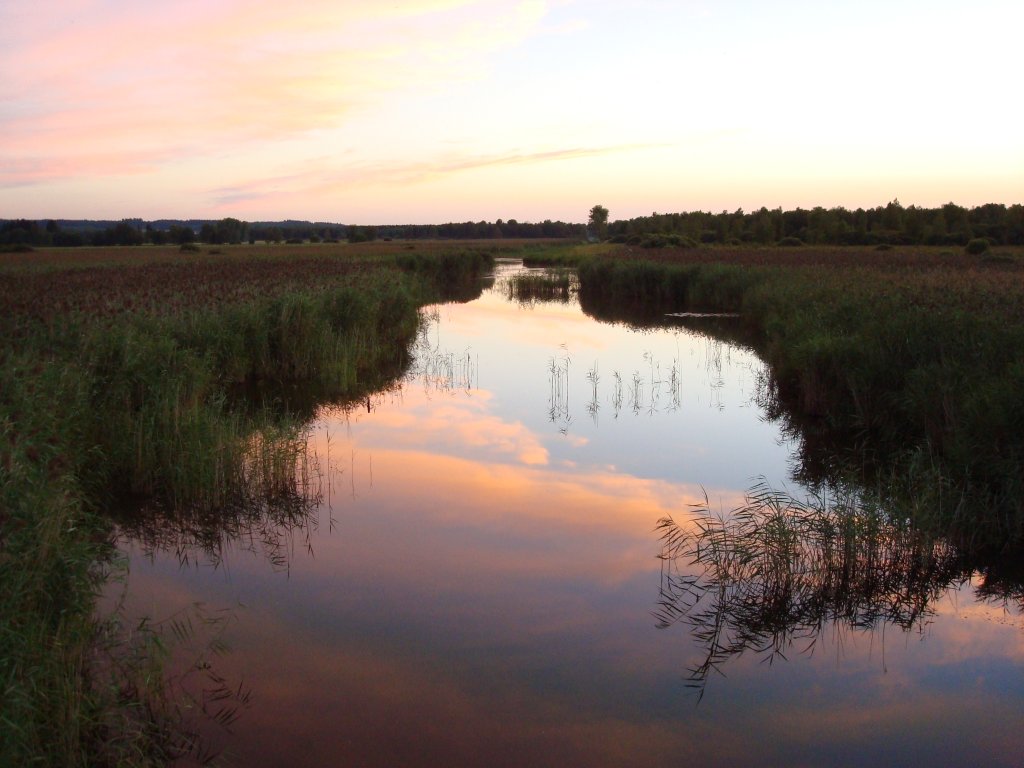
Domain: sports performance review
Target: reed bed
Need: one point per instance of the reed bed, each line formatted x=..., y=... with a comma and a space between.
x=117, y=373
x=909, y=357
x=551, y=285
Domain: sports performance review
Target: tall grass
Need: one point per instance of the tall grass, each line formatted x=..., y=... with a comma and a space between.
x=552, y=285
x=912, y=361
x=116, y=385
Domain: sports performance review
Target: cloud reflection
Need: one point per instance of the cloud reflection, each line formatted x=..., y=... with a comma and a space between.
x=478, y=599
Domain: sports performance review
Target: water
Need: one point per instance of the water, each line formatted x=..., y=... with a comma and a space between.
x=479, y=581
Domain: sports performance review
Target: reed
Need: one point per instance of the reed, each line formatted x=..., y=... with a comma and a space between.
x=770, y=577
x=552, y=285
x=117, y=382
x=909, y=358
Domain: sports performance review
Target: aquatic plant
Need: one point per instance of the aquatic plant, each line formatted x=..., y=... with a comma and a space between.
x=771, y=576
x=558, y=397
x=437, y=369
x=552, y=285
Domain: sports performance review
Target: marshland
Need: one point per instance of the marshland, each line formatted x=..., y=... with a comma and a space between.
x=499, y=503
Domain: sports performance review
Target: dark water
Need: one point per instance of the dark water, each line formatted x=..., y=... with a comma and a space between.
x=479, y=582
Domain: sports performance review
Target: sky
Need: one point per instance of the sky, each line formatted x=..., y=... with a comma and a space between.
x=428, y=111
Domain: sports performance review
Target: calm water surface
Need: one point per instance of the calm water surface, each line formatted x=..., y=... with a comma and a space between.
x=478, y=584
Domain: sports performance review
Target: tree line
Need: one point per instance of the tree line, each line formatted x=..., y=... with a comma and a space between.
x=891, y=224
x=125, y=232
x=229, y=230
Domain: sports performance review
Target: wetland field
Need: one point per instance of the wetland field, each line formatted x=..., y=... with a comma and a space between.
x=511, y=503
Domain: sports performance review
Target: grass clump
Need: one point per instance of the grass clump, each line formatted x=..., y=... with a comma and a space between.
x=552, y=285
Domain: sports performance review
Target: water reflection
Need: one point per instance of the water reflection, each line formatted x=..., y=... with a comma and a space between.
x=771, y=576
x=438, y=368
x=479, y=580
x=558, y=399
x=654, y=387
x=528, y=287
x=276, y=509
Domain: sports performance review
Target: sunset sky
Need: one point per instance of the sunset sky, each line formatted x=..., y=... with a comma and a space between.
x=426, y=111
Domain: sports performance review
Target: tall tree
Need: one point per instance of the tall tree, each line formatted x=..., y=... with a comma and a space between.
x=598, y=222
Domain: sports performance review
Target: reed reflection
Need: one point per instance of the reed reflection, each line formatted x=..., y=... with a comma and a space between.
x=275, y=509
x=284, y=480
x=437, y=368
x=654, y=387
x=771, y=576
x=485, y=598
x=534, y=286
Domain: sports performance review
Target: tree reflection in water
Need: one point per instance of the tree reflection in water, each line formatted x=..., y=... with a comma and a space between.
x=770, y=576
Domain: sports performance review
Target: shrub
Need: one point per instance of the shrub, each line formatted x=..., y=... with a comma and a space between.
x=790, y=242
x=654, y=241
x=667, y=240
x=977, y=246
x=189, y=248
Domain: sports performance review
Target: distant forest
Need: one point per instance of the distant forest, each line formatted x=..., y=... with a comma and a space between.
x=891, y=224
x=69, y=233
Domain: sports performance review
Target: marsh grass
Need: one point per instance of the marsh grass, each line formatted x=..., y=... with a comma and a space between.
x=908, y=357
x=116, y=375
x=771, y=576
x=156, y=404
x=656, y=390
x=563, y=255
x=552, y=285
x=277, y=495
x=558, y=390
x=437, y=369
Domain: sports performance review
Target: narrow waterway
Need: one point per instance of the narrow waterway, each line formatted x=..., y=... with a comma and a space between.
x=478, y=580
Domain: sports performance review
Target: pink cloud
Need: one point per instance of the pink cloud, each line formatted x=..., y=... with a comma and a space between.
x=85, y=83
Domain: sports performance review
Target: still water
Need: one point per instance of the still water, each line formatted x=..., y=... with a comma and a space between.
x=479, y=581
